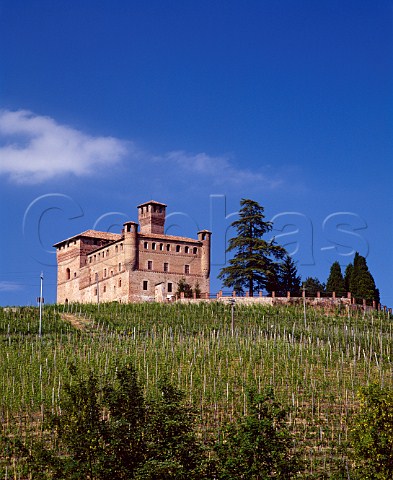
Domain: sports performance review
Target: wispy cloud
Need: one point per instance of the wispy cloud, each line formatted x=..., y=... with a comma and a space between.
x=220, y=169
x=9, y=286
x=35, y=148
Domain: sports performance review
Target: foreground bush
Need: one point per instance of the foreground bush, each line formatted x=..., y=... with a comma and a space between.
x=109, y=430
x=372, y=434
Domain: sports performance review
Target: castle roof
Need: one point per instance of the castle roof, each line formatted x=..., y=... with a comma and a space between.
x=93, y=234
x=152, y=202
x=158, y=236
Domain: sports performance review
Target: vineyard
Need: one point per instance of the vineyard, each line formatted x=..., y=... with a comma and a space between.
x=315, y=362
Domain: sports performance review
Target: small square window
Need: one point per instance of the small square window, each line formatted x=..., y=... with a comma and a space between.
x=169, y=287
x=166, y=267
x=149, y=265
x=186, y=269
x=144, y=284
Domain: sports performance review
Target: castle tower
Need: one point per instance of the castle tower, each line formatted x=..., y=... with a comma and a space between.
x=151, y=217
x=131, y=245
x=204, y=236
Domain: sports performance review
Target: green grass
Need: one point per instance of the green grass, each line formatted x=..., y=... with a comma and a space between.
x=316, y=368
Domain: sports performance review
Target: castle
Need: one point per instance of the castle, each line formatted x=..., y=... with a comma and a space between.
x=133, y=266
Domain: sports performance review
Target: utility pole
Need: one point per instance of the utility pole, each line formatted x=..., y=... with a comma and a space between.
x=233, y=301
x=40, y=303
x=98, y=293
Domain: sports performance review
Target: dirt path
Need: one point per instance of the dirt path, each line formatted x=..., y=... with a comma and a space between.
x=77, y=322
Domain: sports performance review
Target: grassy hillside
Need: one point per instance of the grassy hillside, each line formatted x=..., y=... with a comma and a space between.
x=315, y=365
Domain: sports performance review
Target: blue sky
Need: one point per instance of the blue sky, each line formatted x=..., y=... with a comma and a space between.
x=107, y=104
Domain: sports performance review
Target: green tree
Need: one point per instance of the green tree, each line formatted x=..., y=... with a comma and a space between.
x=184, y=287
x=372, y=434
x=289, y=280
x=113, y=432
x=259, y=446
x=173, y=449
x=347, y=277
x=335, y=282
x=312, y=286
x=361, y=282
x=254, y=261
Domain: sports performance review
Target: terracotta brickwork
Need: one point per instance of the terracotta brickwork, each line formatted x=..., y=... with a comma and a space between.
x=133, y=266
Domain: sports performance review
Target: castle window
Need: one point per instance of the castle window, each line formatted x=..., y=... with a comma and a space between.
x=104, y=288
x=104, y=272
x=146, y=245
x=169, y=287
x=149, y=265
x=112, y=273
x=68, y=274
x=161, y=246
x=153, y=246
x=178, y=249
x=74, y=274
x=166, y=267
x=107, y=253
x=121, y=247
x=90, y=260
x=187, y=249
x=95, y=291
x=120, y=283
x=116, y=248
x=119, y=267
x=168, y=247
x=186, y=269
x=203, y=236
x=144, y=286
x=195, y=250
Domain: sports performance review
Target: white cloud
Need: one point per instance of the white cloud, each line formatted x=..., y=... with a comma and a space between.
x=220, y=169
x=9, y=286
x=34, y=148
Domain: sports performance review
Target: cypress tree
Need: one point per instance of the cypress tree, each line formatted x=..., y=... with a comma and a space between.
x=347, y=277
x=335, y=282
x=361, y=282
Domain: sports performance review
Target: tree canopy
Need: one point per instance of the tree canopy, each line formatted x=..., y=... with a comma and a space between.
x=255, y=262
x=313, y=286
x=335, y=282
x=360, y=281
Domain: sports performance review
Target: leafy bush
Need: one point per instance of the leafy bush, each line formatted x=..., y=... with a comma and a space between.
x=259, y=446
x=372, y=434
